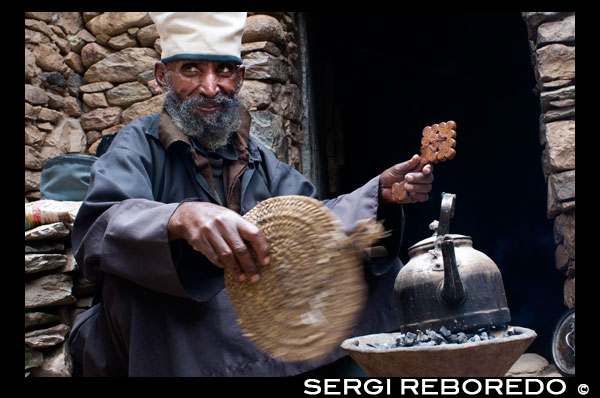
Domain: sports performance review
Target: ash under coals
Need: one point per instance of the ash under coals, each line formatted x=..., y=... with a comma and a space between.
x=445, y=336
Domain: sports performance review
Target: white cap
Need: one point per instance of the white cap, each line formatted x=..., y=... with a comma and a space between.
x=208, y=36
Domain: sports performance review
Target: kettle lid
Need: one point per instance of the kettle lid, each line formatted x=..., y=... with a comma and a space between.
x=428, y=243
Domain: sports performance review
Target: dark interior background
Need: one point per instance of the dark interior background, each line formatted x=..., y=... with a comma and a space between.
x=381, y=77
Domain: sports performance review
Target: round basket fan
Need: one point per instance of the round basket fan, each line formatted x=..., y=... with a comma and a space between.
x=311, y=294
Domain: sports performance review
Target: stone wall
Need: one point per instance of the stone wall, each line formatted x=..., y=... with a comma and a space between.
x=552, y=41
x=87, y=74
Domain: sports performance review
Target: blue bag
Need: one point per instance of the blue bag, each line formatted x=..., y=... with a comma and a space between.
x=66, y=177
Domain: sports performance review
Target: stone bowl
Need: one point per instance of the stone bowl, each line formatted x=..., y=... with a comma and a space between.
x=488, y=358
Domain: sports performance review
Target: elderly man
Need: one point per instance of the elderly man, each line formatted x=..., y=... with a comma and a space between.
x=163, y=218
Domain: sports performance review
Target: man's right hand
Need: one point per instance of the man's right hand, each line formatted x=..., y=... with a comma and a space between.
x=222, y=235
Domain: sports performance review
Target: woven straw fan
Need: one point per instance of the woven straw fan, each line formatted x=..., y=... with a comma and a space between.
x=311, y=294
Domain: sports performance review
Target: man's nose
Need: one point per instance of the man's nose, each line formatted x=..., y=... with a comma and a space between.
x=209, y=86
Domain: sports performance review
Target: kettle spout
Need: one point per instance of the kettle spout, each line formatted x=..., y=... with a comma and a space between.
x=452, y=291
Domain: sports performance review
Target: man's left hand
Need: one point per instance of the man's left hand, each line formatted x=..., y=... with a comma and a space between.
x=417, y=179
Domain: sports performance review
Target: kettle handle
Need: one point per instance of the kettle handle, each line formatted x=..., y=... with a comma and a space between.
x=452, y=290
x=446, y=213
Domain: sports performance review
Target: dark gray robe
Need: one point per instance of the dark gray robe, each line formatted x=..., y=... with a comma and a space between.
x=163, y=309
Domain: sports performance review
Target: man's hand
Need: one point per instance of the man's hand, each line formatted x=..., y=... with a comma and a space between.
x=417, y=179
x=222, y=236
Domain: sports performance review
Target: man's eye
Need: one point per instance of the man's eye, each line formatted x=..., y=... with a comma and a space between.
x=225, y=68
x=189, y=68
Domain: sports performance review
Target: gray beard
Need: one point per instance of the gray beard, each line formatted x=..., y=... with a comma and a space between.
x=211, y=130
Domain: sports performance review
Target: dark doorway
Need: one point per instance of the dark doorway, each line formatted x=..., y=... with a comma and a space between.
x=379, y=78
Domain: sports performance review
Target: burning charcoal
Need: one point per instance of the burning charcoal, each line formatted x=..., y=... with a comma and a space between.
x=401, y=341
x=445, y=332
x=509, y=332
x=475, y=339
x=411, y=338
x=439, y=338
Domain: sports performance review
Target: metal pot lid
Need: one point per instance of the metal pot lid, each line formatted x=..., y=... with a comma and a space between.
x=563, y=343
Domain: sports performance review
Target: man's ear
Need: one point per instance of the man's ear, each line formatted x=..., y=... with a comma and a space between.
x=160, y=74
x=241, y=73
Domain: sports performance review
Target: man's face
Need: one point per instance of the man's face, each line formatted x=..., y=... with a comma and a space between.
x=202, y=98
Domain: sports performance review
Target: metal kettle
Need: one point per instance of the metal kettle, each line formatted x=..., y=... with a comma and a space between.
x=449, y=283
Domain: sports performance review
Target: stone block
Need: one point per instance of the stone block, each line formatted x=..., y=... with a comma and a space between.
x=43, y=262
x=560, y=98
x=37, y=319
x=57, y=363
x=95, y=100
x=44, y=338
x=70, y=22
x=264, y=66
x=49, y=290
x=561, y=257
x=55, y=101
x=123, y=66
x=96, y=87
x=50, y=115
x=73, y=61
x=35, y=95
x=127, y=94
x=268, y=129
x=288, y=103
x=555, y=61
x=32, y=159
x=563, y=185
x=94, y=52
x=33, y=358
x=115, y=23
x=67, y=137
x=34, y=137
x=56, y=230
x=265, y=46
x=144, y=108
x=569, y=292
x=72, y=107
x=102, y=118
x=564, y=232
x=557, y=31
x=558, y=114
x=48, y=59
x=262, y=27
x=31, y=68
x=32, y=180
x=559, y=138
x=124, y=40
x=41, y=16
x=147, y=35
x=256, y=94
